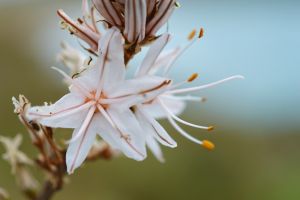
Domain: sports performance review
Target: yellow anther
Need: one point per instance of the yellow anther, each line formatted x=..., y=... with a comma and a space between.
x=192, y=77
x=192, y=34
x=201, y=33
x=208, y=145
x=210, y=128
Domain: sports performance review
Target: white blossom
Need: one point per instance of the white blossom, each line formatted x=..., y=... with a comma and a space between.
x=99, y=103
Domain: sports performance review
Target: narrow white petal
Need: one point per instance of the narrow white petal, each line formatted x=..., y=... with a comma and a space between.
x=128, y=125
x=114, y=137
x=85, y=124
x=164, y=60
x=153, y=54
x=137, y=86
x=67, y=112
x=88, y=79
x=153, y=128
x=111, y=61
x=155, y=148
x=177, y=106
x=79, y=149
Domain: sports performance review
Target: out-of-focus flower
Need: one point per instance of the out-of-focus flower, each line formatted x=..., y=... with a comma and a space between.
x=166, y=104
x=3, y=194
x=99, y=102
x=19, y=162
x=13, y=155
x=72, y=58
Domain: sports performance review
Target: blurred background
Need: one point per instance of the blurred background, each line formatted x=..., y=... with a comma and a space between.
x=257, y=119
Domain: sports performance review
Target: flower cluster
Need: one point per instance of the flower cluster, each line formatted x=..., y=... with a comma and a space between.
x=102, y=100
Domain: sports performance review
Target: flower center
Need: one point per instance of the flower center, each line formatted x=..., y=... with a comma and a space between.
x=97, y=101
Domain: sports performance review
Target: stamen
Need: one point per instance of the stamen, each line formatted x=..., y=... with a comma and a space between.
x=208, y=145
x=192, y=77
x=71, y=81
x=186, y=98
x=193, y=89
x=167, y=69
x=192, y=35
x=201, y=33
x=182, y=121
x=183, y=133
x=164, y=83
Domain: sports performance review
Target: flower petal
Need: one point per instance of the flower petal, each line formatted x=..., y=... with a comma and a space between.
x=111, y=59
x=138, y=85
x=113, y=137
x=153, y=54
x=135, y=20
x=130, y=129
x=155, y=110
x=79, y=149
x=67, y=112
x=88, y=79
x=153, y=128
x=165, y=60
x=155, y=148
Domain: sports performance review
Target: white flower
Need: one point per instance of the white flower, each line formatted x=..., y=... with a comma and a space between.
x=166, y=104
x=99, y=103
x=3, y=194
x=72, y=59
x=13, y=155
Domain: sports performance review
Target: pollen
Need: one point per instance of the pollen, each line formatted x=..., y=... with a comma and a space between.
x=210, y=128
x=192, y=77
x=192, y=34
x=201, y=33
x=208, y=145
